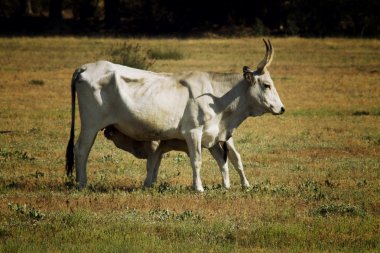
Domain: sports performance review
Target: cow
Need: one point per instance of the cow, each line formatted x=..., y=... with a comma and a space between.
x=201, y=108
x=153, y=151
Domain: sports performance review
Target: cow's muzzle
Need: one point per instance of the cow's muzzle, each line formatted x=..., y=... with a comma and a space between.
x=279, y=111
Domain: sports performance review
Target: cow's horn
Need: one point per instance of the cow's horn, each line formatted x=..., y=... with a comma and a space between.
x=267, y=58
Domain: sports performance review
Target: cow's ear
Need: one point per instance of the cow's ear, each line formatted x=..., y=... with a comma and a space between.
x=248, y=75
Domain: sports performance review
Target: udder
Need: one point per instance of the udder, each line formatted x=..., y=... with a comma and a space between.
x=210, y=136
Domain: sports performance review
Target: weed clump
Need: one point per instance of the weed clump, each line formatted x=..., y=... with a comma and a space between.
x=131, y=55
x=311, y=190
x=26, y=211
x=16, y=155
x=164, y=187
x=360, y=113
x=37, y=82
x=266, y=187
x=165, y=214
x=342, y=210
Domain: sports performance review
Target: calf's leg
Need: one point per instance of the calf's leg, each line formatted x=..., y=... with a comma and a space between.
x=218, y=153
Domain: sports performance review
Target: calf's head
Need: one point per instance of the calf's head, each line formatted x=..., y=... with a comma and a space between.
x=264, y=95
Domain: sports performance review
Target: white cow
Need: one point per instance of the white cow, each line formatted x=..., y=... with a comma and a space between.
x=199, y=107
x=154, y=150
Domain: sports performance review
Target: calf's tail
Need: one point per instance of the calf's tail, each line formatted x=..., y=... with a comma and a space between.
x=70, y=145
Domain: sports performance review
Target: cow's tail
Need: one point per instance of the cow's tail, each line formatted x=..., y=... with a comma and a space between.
x=70, y=145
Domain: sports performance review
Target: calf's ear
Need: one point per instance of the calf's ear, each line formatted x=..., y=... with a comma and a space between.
x=248, y=75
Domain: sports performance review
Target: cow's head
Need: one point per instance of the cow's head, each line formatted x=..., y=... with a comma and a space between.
x=262, y=88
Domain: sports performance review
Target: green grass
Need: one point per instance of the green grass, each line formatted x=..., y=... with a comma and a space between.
x=130, y=230
x=314, y=171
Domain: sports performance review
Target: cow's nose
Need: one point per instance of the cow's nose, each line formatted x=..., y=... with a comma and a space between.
x=282, y=110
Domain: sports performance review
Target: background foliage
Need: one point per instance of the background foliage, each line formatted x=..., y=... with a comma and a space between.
x=194, y=17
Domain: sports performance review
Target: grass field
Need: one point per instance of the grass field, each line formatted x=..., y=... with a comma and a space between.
x=314, y=171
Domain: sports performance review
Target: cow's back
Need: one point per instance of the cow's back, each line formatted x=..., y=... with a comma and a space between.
x=142, y=104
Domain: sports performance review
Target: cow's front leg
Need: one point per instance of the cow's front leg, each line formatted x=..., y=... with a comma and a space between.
x=193, y=140
x=235, y=159
x=218, y=153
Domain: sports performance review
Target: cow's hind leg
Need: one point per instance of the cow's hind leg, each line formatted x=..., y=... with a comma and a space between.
x=82, y=149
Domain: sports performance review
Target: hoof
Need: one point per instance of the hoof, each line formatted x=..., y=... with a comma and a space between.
x=245, y=184
x=199, y=188
x=246, y=187
x=226, y=185
x=148, y=184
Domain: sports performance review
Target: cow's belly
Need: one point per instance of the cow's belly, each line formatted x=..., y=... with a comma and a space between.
x=148, y=130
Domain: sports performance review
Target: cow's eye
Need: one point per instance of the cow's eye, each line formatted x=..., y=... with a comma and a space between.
x=266, y=86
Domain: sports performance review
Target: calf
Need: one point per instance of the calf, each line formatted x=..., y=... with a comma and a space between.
x=154, y=150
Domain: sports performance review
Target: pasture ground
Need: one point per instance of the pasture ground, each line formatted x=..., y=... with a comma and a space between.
x=314, y=171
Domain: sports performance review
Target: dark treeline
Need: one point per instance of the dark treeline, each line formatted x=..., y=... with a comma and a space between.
x=316, y=18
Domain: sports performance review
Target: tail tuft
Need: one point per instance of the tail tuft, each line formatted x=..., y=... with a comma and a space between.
x=70, y=157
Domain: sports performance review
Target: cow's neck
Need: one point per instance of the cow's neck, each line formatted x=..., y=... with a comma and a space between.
x=234, y=106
